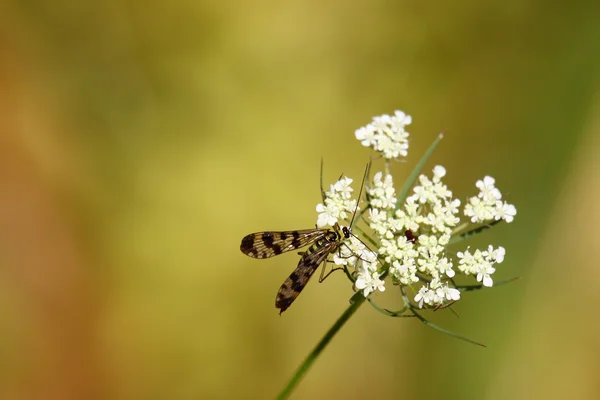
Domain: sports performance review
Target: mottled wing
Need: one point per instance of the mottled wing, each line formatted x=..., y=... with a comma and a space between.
x=294, y=284
x=269, y=244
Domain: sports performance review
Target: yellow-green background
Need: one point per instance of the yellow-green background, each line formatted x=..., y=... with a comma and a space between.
x=140, y=141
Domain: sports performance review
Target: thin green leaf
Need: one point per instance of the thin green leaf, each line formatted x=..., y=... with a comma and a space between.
x=468, y=288
x=389, y=313
x=442, y=330
x=459, y=238
x=416, y=171
x=365, y=236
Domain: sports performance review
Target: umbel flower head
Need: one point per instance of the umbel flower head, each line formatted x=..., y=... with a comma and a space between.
x=408, y=239
x=413, y=238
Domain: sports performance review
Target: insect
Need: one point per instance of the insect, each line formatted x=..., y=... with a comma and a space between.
x=410, y=236
x=323, y=242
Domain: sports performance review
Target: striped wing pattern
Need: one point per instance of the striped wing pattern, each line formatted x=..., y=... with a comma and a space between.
x=323, y=242
x=298, y=279
x=270, y=244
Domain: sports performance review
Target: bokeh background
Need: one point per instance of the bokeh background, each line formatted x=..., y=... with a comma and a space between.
x=140, y=141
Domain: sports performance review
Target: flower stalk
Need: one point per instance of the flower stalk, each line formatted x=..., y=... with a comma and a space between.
x=355, y=302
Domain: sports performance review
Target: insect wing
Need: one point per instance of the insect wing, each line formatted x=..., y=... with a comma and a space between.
x=298, y=279
x=269, y=244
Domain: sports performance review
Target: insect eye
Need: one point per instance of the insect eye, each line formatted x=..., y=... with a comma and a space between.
x=346, y=232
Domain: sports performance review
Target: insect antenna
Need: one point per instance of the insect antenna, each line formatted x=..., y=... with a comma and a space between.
x=348, y=231
x=321, y=182
x=360, y=193
x=323, y=194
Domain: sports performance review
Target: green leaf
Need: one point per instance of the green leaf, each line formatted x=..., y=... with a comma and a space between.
x=468, y=288
x=416, y=171
x=468, y=234
x=389, y=313
x=445, y=331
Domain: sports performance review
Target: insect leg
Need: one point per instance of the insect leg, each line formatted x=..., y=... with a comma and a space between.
x=322, y=278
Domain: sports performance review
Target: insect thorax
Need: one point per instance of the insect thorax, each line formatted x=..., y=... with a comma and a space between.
x=342, y=232
x=329, y=237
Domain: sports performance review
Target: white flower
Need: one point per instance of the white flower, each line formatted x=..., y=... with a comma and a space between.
x=338, y=203
x=505, y=211
x=480, y=263
x=328, y=215
x=425, y=295
x=386, y=134
x=409, y=217
x=368, y=281
x=428, y=244
x=404, y=270
x=436, y=293
x=382, y=201
x=342, y=187
x=353, y=251
x=449, y=212
x=479, y=210
x=484, y=274
x=487, y=206
x=496, y=255
x=448, y=293
x=444, y=266
x=379, y=221
x=488, y=191
x=382, y=193
x=366, y=135
x=439, y=172
x=432, y=191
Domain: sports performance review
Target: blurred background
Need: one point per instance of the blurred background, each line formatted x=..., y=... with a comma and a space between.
x=140, y=141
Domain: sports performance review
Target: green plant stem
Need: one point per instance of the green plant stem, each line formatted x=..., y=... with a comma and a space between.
x=355, y=301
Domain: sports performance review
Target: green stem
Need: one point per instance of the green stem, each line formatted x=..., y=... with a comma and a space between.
x=356, y=301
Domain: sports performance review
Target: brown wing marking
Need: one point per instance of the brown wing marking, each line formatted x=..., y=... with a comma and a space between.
x=269, y=244
x=298, y=279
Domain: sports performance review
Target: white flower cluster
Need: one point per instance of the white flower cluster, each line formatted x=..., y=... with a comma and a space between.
x=436, y=296
x=413, y=239
x=435, y=203
x=480, y=263
x=487, y=205
x=429, y=212
x=356, y=254
x=382, y=194
x=338, y=203
x=386, y=134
